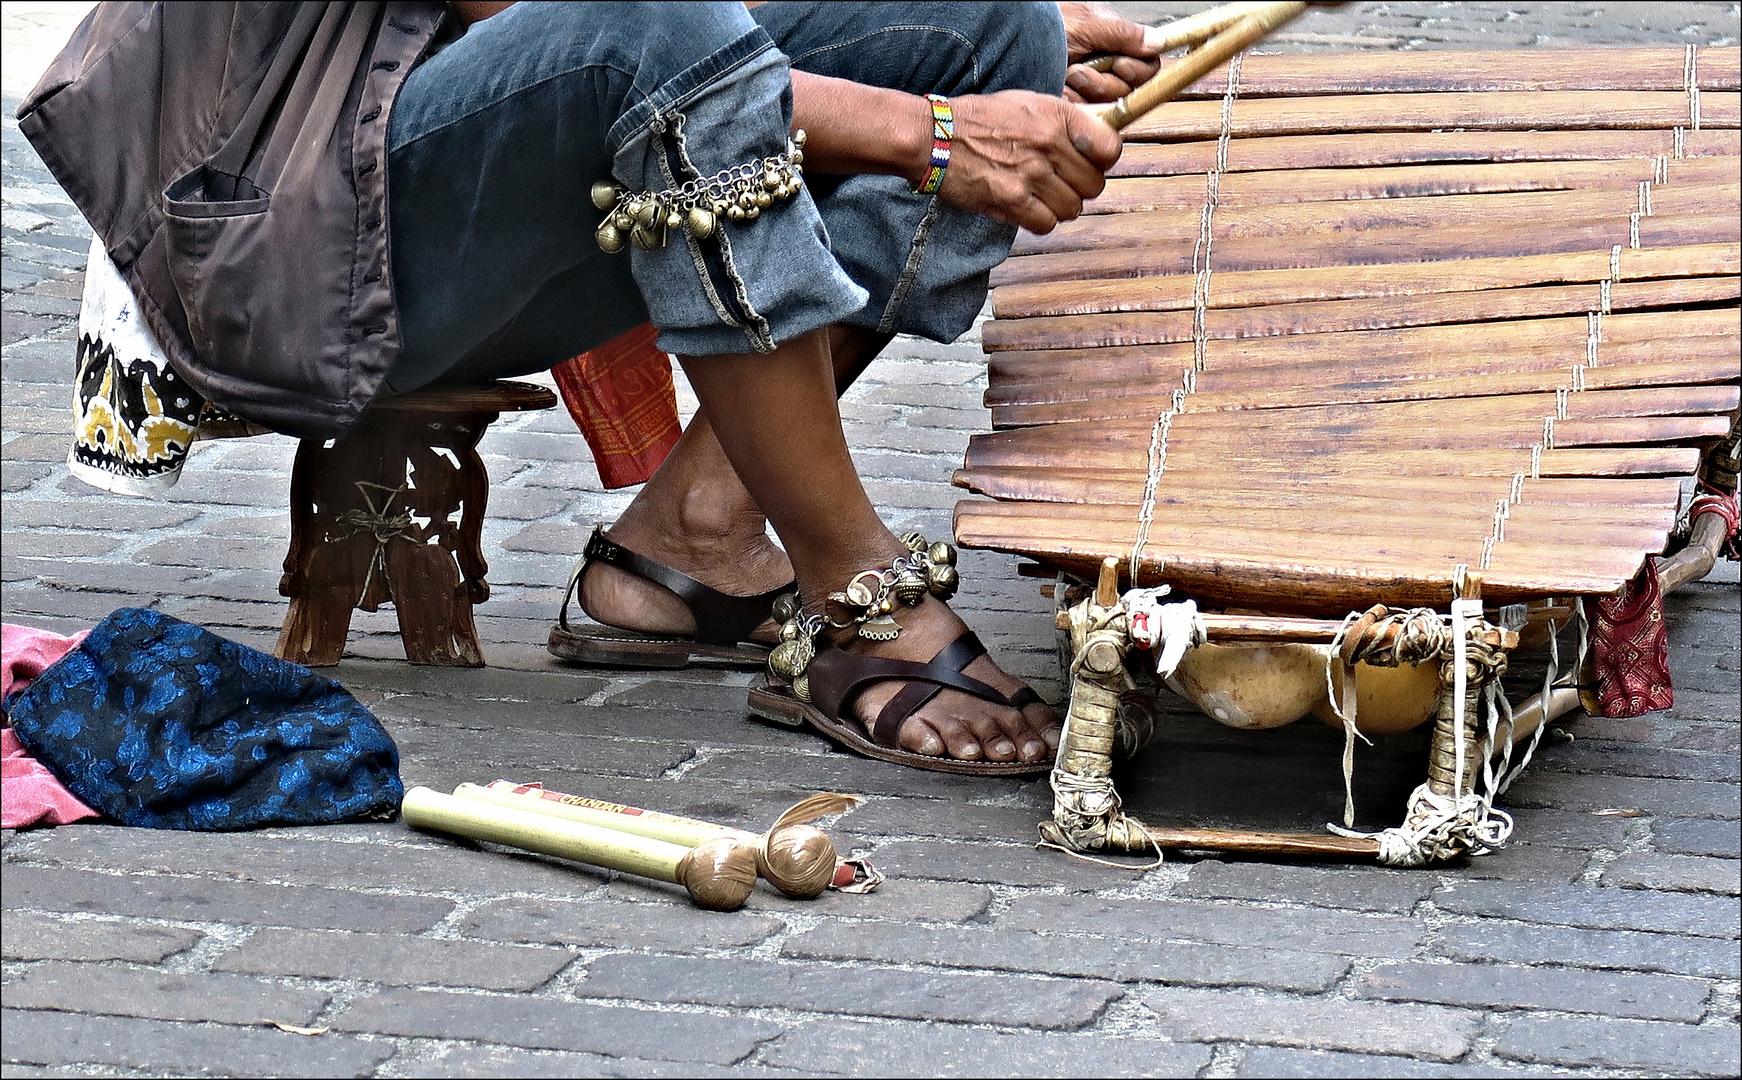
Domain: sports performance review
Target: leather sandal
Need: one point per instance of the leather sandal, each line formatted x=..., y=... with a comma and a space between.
x=835, y=678
x=723, y=621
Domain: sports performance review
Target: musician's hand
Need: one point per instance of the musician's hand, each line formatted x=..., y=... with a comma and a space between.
x=1093, y=28
x=1027, y=159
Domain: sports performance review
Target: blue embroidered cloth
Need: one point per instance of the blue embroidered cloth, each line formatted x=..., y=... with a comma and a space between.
x=159, y=723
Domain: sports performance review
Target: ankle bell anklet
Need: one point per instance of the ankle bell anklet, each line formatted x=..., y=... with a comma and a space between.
x=866, y=604
x=740, y=193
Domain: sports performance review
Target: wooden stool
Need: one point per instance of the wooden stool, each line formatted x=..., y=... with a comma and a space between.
x=393, y=511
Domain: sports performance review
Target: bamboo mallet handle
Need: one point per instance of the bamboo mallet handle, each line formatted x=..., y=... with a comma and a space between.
x=1168, y=83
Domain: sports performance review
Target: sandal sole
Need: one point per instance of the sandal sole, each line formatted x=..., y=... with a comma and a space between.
x=617, y=649
x=778, y=704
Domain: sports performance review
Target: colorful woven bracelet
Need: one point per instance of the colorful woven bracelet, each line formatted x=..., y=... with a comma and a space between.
x=943, y=132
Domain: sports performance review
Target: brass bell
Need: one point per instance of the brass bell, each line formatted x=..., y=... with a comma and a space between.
x=910, y=588
x=790, y=658
x=801, y=688
x=770, y=180
x=622, y=221
x=674, y=220
x=941, y=553
x=943, y=581
x=610, y=238
x=735, y=212
x=763, y=200
x=786, y=607
x=746, y=201
x=701, y=225
x=605, y=194
x=914, y=542
x=648, y=237
x=645, y=214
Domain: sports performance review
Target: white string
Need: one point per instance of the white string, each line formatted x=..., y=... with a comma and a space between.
x=1681, y=143
x=1200, y=323
x=1560, y=403
x=1691, y=81
x=1633, y=231
x=1517, y=487
x=1603, y=292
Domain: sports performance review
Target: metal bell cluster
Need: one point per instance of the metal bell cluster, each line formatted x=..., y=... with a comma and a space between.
x=647, y=218
x=868, y=604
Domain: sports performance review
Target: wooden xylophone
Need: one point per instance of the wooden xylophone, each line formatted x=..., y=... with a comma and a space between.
x=1378, y=329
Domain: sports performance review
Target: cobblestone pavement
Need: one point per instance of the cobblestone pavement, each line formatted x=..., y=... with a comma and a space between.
x=1604, y=943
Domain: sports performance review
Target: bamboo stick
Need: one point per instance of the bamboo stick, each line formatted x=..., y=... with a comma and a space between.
x=541, y=832
x=684, y=832
x=1660, y=68
x=1265, y=240
x=1563, y=110
x=1361, y=149
x=1252, y=27
x=1296, y=845
x=1283, y=186
x=1252, y=288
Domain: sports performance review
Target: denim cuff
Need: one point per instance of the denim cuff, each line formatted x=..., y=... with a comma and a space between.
x=756, y=283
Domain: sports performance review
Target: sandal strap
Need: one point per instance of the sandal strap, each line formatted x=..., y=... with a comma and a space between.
x=721, y=618
x=838, y=677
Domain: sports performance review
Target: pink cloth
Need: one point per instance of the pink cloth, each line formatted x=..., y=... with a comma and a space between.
x=30, y=795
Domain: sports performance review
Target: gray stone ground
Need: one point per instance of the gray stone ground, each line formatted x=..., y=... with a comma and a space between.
x=1604, y=943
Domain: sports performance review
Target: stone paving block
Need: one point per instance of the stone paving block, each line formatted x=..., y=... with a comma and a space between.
x=907, y=1049
x=35, y=304
x=1364, y=888
x=592, y=924
x=395, y=960
x=1699, y=705
x=1673, y=798
x=18, y=475
x=549, y=538
x=1623, y=759
x=1676, y=1049
x=222, y=615
x=197, y=900
x=37, y=421
x=1426, y=1031
x=81, y=575
x=1344, y=933
x=531, y=751
x=1527, y=862
x=409, y=860
x=268, y=526
x=1721, y=737
x=547, y=1023
x=85, y=608
x=961, y=821
x=214, y=553
x=1009, y=1000
x=57, y=544
x=1263, y=1062
x=462, y=1060
x=996, y=864
x=96, y=514
x=1581, y=831
x=28, y=936
x=1522, y=943
x=560, y=685
x=1595, y=908
x=1695, y=836
x=1649, y=997
x=923, y=901
x=830, y=771
x=19, y=326
x=160, y=995
x=1651, y=870
x=159, y=1049
x=1048, y=954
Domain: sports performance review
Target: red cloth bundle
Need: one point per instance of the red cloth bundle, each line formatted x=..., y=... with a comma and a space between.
x=621, y=397
x=1630, y=648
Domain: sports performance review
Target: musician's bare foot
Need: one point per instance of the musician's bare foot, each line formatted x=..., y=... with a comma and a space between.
x=956, y=724
x=705, y=525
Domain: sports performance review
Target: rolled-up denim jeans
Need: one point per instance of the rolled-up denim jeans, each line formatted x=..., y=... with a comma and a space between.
x=496, y=140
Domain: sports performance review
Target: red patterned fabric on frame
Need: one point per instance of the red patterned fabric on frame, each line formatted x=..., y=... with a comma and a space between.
x=1630, y=648
x=621, y=397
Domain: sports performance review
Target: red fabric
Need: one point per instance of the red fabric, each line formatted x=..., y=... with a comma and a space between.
x=1712, y=501
x=30, y=795
x=1630, y=648
x=622, y=399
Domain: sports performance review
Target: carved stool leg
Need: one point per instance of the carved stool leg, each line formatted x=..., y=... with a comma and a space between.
x=382, y=515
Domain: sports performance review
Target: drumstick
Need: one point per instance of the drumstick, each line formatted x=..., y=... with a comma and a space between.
x=1256, y=24
x=1187, y=31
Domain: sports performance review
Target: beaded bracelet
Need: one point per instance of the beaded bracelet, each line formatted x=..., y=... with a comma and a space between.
x=943, y=132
